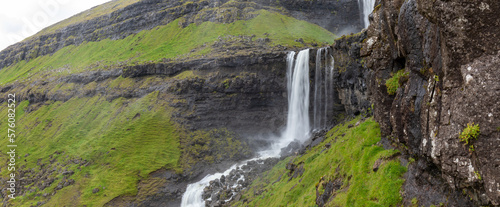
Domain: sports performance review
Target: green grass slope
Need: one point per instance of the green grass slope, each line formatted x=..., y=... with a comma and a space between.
x=124, y=140
x=348, y=163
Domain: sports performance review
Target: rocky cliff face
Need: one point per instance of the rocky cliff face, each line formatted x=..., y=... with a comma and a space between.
x=350, y=77
x=244, y=94
x=450, y=51
x=208, y=93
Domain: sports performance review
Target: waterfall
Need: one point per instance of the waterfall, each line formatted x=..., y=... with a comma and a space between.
x=323, y=86
x=297, y=128
x=366, y=8
x=330, y=68
x=317, y=91
x=327, y=76
x=289, y=72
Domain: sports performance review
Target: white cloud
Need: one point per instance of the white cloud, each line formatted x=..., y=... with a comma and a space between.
x=21, y=19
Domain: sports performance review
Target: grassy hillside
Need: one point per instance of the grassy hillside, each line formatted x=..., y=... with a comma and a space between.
x=347, y=165
x=123, y=141
x=110, y=146
x=166, y=43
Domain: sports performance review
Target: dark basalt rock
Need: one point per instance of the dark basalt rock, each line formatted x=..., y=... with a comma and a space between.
x=350, y=77
x=329, y=188
x=258, y=96
x=291, y=149
x=295, y=170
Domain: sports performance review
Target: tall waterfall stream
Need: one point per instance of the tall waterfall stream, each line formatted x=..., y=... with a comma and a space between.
x=298, y=127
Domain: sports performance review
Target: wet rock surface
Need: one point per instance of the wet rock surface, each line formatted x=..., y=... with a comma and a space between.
x=450, y=51
x=291, y=149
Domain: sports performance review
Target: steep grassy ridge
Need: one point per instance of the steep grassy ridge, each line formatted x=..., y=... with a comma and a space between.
x=97, y=11
x=171, y=41
x=339, y=171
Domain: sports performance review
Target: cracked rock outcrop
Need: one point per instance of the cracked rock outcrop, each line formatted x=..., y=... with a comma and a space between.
x=450, y=50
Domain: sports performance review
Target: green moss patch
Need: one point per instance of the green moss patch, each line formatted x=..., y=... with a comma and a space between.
x=470, y=132
x=393, y=83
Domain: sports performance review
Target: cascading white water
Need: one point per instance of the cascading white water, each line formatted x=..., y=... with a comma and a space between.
x=331, y=66
x=318, y=82
x=322, y=87
x=192, y=196
x=289, y=72
x=366, y=7
x=327, y=85
x=297, y=128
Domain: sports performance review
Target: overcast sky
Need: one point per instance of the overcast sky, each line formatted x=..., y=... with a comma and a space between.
x=22, y=18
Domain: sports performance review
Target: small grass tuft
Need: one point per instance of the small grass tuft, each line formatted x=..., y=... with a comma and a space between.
x=470, y=132
x=414, y=202
x=478, y=175
x=393, y=84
